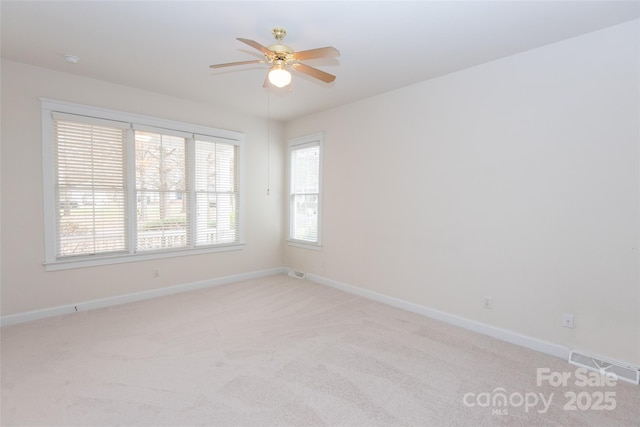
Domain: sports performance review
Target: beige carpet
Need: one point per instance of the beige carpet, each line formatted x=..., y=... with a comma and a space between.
x=282, y=351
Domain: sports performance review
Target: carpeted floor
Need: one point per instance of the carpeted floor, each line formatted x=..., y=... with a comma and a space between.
x=282, y=351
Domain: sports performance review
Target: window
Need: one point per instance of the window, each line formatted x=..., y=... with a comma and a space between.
x=120, y=187
x=90, y=190
x=304, y=189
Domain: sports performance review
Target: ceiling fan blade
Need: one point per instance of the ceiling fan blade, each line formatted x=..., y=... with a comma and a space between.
x=321, y=52
x=314, y=72
x=230, y=64
x=258, y=46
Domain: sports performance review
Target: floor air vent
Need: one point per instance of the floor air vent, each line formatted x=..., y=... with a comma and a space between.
x=296, y=274
x=622, y=371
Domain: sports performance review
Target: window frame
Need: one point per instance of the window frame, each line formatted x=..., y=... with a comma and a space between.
x=51, y=262
x=316, y=139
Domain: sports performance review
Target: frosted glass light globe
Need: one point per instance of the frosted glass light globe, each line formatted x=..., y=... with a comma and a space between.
x=279, y=77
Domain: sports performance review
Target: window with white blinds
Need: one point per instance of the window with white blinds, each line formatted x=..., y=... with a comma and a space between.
x=90, y=183
x=216, y=192
x=117, y=190
x=304, y=195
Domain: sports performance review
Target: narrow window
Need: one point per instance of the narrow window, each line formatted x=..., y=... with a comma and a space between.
x=216, y=192
x=304, y=196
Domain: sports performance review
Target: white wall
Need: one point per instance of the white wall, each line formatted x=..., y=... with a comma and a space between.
x=25, y=284
x=517, y=179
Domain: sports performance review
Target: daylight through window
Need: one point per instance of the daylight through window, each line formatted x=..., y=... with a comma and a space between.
x=304, y=197
x=125, y=189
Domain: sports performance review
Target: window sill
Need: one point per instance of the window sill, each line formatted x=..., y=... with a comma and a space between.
x=304, y=245
x=145, y=256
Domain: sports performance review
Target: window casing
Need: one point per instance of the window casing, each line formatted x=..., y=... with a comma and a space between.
x=305, y=198
x=121, y=187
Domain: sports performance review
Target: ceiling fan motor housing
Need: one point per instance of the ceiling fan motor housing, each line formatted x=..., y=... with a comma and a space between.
x=282, y=52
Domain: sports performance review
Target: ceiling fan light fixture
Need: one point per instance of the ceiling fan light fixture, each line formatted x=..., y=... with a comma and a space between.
x=281, y=57
x=278, y=76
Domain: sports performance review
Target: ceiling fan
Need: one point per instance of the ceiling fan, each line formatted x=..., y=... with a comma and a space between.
x=282, y=56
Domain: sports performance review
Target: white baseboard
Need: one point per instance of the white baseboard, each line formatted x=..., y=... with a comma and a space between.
x=138, y=296
x=472, y=325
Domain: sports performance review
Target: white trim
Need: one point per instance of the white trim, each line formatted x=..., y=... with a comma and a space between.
x=472, y=325
x=131, y=199
x=304, y=245
x=48, y=187
x=105, y=113
x=310, y=139
x=241, y=189
x=191, y=179
x=28, y=316
x=138, y=256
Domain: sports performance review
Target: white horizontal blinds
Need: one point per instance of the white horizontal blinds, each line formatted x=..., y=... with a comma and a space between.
x=216, y=187
x=305, y=189
x=90, y=193
x=161, y=193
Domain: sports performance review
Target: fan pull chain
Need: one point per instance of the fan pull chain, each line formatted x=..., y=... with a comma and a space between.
x=268, y=140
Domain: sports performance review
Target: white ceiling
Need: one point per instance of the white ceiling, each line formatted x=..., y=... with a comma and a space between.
x=167, y=47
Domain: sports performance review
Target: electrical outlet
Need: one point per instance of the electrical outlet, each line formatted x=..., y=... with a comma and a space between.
x=567, y=320
x=156, y=272
x=488, y=303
